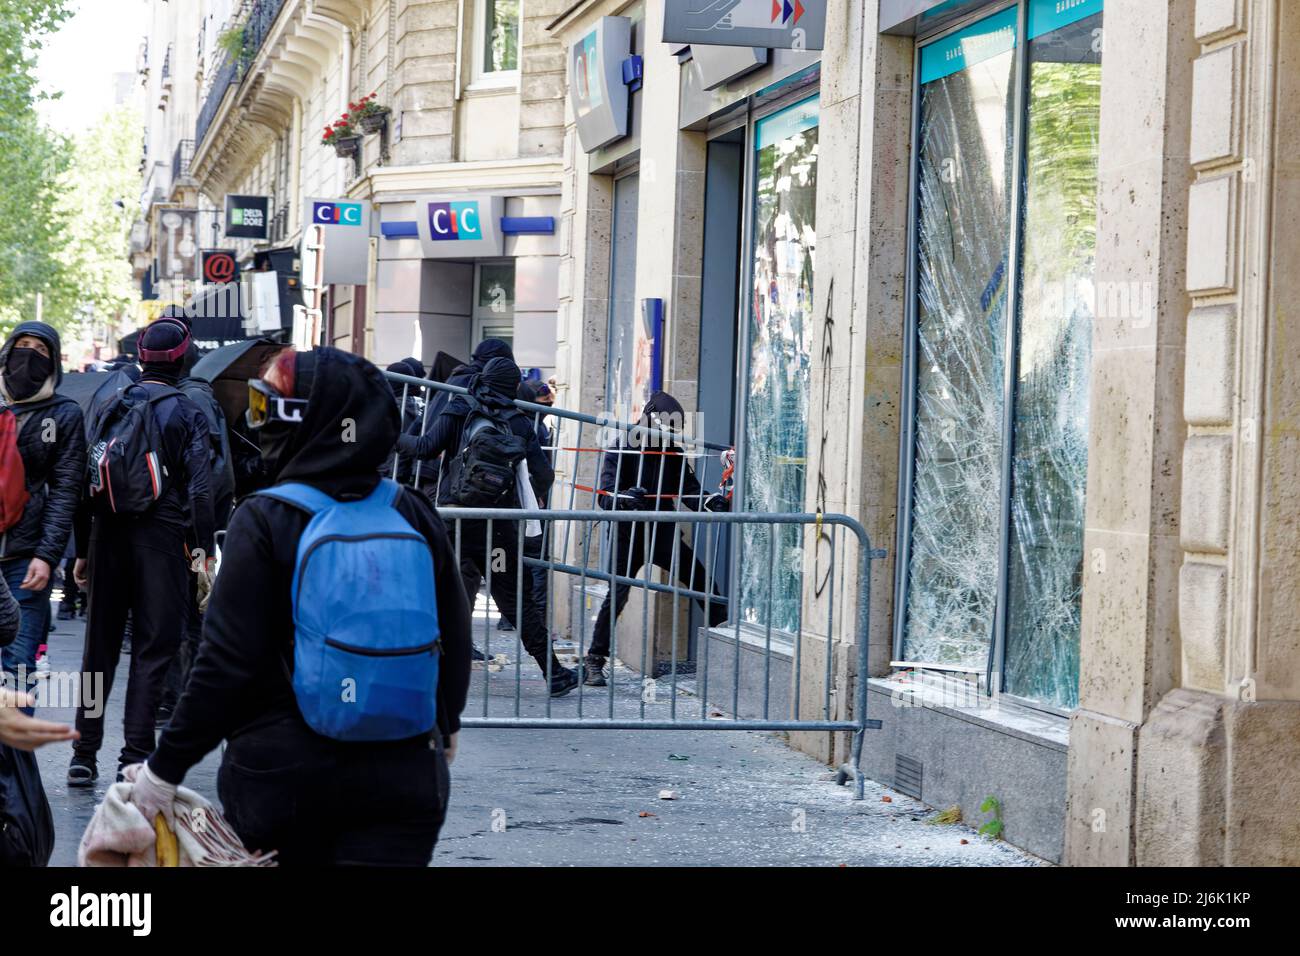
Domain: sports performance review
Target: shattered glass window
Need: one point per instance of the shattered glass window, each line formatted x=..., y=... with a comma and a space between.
x=780, y=360
x=963, y=240
x=1050, y=462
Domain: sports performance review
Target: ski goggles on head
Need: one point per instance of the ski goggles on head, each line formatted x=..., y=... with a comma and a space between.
x=265, y=404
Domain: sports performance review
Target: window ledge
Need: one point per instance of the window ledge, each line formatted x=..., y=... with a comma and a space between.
x=957, y=698
x=508, y=83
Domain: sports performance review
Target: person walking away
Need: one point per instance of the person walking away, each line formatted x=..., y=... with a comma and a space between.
x=42, y=463
x=221, y=474
x=319, y=776
x=149, y=468
x=484, y=434
x=648, y=473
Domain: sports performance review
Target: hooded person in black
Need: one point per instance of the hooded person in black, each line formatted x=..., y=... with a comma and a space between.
x=492, y=391
x=282, y=786
x=645, y=472
x=52, y=445
x=462, y=375
x=142, y=563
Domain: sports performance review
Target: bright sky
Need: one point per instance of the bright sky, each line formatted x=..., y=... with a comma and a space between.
x=101, y=39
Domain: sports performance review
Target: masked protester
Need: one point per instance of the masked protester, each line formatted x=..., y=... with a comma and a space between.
x=492, y=395
x=650, y=473
x=325, y=420
x=50, y=440
x=150, y=531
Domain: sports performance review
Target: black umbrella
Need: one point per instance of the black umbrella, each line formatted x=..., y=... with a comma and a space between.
x=229, y=368
x=81, y=386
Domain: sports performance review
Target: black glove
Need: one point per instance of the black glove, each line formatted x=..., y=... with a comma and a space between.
x=717, y=503
x=632, y=499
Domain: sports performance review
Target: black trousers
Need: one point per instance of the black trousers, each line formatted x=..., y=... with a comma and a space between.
x=501, y=554
x=140, y=567
x=534, y=575
x=636, y=546
x=322, y=802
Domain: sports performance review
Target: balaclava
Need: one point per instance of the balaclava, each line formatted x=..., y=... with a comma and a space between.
x=26, y=371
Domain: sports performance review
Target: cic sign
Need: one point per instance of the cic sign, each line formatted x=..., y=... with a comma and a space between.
x=596, y=91
x=460, y=227
x=346, y=224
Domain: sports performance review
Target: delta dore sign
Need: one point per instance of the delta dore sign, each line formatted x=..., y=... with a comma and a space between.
x=774, y=24
x=460, y=227
x=346, y=224
x=247, y=217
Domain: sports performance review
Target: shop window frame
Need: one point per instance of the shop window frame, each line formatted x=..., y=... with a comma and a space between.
x=993, y=674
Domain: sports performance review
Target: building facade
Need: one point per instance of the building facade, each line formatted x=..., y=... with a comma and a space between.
x=473, y=94
x=1005, y=282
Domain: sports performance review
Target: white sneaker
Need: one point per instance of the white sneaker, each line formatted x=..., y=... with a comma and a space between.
x=42, y=667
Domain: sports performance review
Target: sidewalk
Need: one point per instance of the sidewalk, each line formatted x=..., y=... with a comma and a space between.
x=586, y=798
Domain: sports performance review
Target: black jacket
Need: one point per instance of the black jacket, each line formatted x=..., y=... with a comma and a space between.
x=56, y=470
x=241, y=679
x=186, y=503
x=659, y=469
x=444, y=435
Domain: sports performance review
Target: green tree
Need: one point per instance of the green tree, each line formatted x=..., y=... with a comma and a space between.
x=32, y=159
x=92, y=253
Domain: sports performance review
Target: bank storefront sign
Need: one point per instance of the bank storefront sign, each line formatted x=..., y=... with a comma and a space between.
x=346, y=227
x=598, y=94
x=460, y=227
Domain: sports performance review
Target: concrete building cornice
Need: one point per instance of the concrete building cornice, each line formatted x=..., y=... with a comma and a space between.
x=540, y=175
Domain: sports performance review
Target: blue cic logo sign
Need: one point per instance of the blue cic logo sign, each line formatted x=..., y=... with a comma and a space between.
x=336, y=214
x=455, y=221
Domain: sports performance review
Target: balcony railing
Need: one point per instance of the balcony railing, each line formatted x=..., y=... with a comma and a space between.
x=230, y=72
x=181, y=160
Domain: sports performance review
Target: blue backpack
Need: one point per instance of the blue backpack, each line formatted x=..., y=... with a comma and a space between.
x=366, y=648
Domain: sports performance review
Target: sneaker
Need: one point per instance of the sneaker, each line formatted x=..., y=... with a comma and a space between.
x=563, y=681
x=475, y=654
x=43, y=666
x=82, y=773
x=504, y=626
x=593, y=674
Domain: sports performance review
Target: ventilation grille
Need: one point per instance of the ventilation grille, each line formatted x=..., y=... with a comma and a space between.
x=907, y=775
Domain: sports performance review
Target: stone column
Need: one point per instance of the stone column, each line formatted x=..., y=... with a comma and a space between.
x=1129, y=639
x=1219, y=764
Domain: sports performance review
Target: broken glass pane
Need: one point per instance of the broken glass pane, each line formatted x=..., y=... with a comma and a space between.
x=1050, y=464
x=780, y=343
x=963, y=237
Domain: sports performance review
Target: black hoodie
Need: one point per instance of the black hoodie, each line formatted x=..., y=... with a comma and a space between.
x=241, y=676
x=665, y=470
x=55, y=469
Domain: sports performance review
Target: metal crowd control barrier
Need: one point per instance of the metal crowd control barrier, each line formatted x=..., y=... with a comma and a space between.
x=597, y=546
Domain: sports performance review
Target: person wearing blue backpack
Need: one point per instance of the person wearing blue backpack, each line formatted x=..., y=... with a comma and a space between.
x=334, y=659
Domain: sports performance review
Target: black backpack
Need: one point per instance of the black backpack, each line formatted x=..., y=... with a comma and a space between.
x=126, y=458
x=483, y=473
x=26, y=824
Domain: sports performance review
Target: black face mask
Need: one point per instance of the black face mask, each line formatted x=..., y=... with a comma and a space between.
x=26, y=371
x=275, y=439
